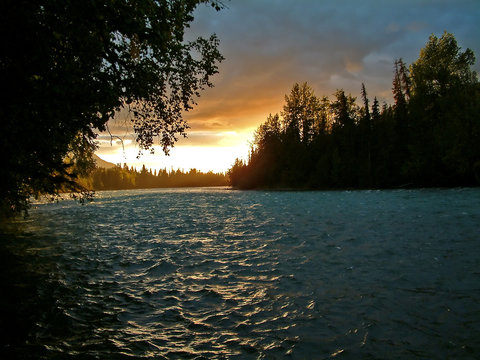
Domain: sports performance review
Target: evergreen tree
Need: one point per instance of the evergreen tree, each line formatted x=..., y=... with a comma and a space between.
x=430, y=136
x=345, y=137
x=365, y=134
x=401, y=91
x=444, y=97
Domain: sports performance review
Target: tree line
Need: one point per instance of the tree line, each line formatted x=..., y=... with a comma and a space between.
x=123, y=178
x=70, y=66
x=429, y=136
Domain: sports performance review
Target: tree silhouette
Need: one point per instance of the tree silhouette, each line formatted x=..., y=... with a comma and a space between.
x=430, y=136
x=118, y=178
x=68, y=66
x=444, y=103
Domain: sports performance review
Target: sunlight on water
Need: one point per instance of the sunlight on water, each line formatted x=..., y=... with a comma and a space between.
x=214, y=273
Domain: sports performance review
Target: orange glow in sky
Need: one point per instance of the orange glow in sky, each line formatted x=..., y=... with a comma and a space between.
x=270, y=45
x=184, y=157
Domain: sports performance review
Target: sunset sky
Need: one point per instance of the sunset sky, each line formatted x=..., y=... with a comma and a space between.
x=269, y=45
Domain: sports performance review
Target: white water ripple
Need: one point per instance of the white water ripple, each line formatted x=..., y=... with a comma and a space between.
x=214, y=273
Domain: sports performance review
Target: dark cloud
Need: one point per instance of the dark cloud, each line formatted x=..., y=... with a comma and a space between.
x=271, y=44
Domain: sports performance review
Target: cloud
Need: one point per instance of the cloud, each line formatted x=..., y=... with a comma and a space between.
x=271, y=44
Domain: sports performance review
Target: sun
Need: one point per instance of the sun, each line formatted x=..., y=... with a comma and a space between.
x=184, y=156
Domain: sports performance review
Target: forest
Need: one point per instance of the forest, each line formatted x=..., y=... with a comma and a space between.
x=123, y=178
x=429, y=136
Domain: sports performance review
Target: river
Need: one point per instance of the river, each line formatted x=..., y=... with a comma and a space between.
x=214, y=273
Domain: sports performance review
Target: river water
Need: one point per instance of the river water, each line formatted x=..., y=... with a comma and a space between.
x=215, y=273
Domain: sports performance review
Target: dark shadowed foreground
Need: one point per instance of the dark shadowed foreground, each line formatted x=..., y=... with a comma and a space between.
x=213, y=273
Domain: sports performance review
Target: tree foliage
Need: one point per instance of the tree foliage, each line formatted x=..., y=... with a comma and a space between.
x=430, y=136
x=68, y=65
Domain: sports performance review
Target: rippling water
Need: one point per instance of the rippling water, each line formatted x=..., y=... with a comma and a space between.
x=214, y=273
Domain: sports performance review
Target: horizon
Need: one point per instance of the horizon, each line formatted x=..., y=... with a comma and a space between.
x=262, y=65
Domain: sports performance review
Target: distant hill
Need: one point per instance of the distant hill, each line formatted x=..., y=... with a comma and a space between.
x=102, y=163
